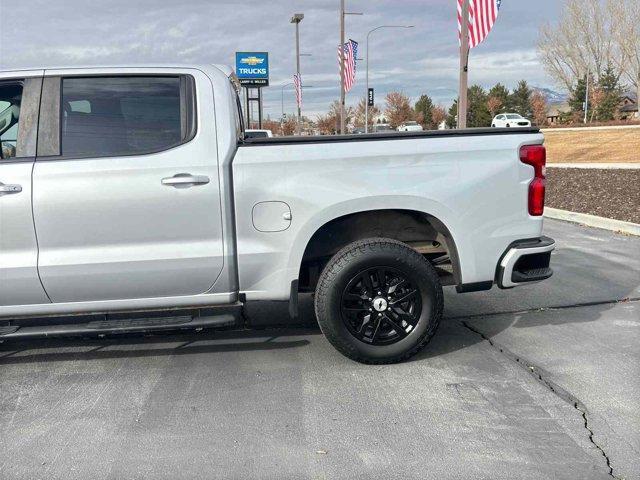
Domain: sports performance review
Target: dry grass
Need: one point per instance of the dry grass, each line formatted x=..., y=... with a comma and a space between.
x=601, y=146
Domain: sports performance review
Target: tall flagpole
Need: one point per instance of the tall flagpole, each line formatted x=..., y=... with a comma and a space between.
x=342, y=92
x=464, y=66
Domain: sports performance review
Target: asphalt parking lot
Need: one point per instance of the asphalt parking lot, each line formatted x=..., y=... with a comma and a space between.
x=537, y=382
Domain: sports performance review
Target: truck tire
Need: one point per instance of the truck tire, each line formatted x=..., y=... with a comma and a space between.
x=378, y=301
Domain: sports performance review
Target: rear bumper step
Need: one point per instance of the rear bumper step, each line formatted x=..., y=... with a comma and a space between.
x=525, y=262
x=118, y=326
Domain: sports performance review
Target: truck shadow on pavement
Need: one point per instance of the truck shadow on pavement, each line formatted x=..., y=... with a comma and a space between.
x=453, y=335
x=155, y=345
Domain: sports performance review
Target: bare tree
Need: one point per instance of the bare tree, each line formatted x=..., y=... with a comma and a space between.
x=359, y=114
x=596, y=97
x=272, y=125
x=539, y=108
x=494, y=104
x=438, y=115
x=627, y=40
x=326, y=124
x=330, y=123
x=289, y=127
x=398, y=109
x=582, y=40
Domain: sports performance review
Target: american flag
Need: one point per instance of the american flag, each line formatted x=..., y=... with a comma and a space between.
x=482, y=16
x=350, y=52
x=297, y=84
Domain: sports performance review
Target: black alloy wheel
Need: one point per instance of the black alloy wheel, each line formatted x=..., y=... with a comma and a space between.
x=380, y=306
x=378, y=301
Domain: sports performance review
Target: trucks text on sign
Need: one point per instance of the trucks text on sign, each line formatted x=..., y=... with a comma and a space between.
x=252, y=68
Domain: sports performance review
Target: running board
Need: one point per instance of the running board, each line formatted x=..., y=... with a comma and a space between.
x=118, y=326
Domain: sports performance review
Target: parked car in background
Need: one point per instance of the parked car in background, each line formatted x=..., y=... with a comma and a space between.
x=382, y=128
x=507, y=120
x=143, y=206
x=248, y=133
x=410, y=127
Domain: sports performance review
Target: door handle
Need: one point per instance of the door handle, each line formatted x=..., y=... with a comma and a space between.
x=9, y=189
x=185, y=180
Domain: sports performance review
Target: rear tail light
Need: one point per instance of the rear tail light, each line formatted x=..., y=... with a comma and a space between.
x=536, y=156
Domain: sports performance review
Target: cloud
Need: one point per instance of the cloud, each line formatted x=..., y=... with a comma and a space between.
x=418, y=60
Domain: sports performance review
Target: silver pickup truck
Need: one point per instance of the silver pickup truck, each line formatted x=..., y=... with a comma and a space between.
x=131, y=201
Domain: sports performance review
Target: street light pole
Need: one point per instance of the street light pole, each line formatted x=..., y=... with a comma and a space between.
x=342, y=90
x=297, y=18
x=366, y=104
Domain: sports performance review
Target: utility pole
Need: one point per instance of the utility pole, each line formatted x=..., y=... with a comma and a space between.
x=297, y=18
x=342, y=92
x=464, y=66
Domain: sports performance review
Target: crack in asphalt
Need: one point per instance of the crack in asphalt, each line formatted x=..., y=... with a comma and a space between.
x=542, y=377
x=547, y=309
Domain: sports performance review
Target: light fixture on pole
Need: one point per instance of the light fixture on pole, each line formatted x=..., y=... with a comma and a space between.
x=366, y=104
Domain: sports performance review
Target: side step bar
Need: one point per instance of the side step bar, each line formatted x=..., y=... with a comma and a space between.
x=108, y=326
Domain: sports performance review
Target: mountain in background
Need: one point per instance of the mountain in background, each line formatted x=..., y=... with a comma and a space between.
x=551, y=96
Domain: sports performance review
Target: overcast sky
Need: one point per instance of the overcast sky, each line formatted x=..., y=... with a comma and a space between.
x=37, y=33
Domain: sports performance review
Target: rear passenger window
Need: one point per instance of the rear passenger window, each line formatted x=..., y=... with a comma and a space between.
x=112, y=116
x=10, y=98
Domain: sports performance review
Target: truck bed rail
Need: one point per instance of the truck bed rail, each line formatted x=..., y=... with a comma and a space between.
x=388, y=136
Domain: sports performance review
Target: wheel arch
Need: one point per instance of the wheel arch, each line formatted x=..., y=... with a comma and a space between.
x=401, y=222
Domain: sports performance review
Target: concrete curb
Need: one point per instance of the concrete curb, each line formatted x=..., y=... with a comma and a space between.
x=602, y=166
x=593, y=221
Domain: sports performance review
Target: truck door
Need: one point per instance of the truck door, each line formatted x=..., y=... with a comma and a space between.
x=126, y=196
x=19, y=102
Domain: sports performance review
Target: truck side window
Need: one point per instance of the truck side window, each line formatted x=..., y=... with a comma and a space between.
x=112, y=116
x=10, y=98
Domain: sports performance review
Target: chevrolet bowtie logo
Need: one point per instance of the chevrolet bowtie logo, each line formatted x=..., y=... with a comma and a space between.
x=252, y=60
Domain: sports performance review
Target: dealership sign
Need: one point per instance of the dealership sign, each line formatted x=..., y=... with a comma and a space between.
x=252, y=68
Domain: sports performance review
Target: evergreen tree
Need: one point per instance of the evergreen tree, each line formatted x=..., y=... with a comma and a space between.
x=520, y=99
x=424, y=111
x=478, y=114
x=578, y=93
x=611, y=95
x=451, y=115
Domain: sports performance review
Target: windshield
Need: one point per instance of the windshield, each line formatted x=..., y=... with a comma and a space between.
x=513, y=116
